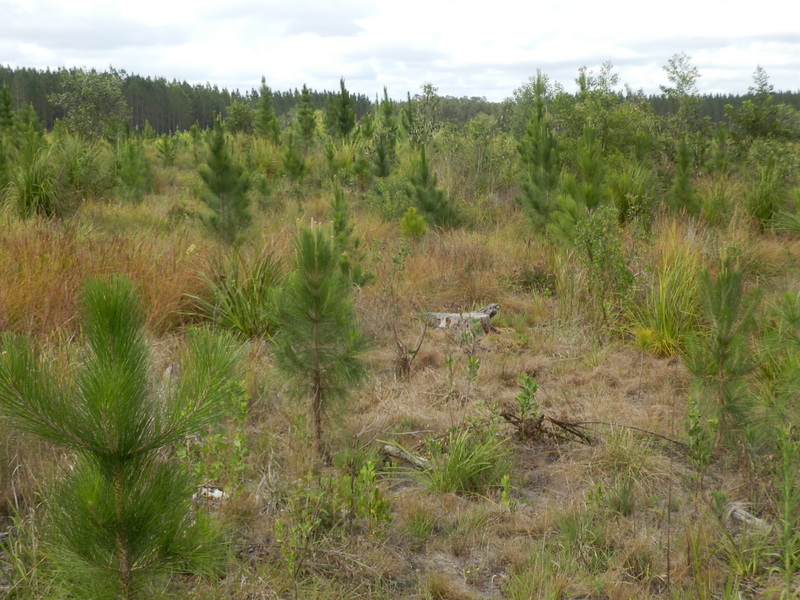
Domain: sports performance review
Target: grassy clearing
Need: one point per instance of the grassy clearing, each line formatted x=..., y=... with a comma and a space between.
x=494, y=516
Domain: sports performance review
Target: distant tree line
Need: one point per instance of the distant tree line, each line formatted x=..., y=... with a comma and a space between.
x=169, y=106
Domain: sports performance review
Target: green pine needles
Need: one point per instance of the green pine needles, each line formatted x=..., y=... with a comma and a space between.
x=121, y=515
x=319, y=347
x=431, y=200
x=226, y=190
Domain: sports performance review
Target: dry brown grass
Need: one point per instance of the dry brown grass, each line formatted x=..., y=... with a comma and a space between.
x=43, y=264
x=434, y=540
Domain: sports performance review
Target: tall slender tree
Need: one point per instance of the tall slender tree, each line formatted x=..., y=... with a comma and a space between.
x=305, y=119
x=266, y=121
x=538, y=153
x=344, y=114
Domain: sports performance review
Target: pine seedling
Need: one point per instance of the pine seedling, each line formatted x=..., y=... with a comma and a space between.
x=318, y=347
x=721, y=360
x=121, y=515
x=226, y=189
x=412, y=225
x=431, y=200
x=134, y=173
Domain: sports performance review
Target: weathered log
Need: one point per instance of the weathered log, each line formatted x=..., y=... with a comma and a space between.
x=464, y=321
x=736, y=512
x=398, y=453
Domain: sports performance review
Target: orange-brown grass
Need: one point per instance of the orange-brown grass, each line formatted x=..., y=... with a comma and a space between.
x=43, y=264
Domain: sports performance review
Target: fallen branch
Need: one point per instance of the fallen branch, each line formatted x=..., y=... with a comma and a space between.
x=529, y=428
x=583, y=425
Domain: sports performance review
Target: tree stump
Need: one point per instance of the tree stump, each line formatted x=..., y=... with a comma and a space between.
x=464, y=321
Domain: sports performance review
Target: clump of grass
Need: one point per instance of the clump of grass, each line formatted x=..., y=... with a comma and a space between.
x=33, y=187
x=241, y=297
x=670, y=307
x=466, y=462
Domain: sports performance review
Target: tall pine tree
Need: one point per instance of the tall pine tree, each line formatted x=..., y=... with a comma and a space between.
x=305, y=120
x=538, y=152
x=266, y=121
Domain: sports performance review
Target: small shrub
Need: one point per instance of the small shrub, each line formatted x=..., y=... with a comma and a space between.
x=412, y=225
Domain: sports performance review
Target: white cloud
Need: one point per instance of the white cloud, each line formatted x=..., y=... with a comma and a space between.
x=464, y=47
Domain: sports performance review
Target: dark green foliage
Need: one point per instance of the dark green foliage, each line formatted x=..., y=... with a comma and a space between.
x=682, y=194
x=305, y=119
x=431, y=201
x=348, y=245
x=227, y=184
x=121, y=515
x=720, y=157
x=412, y=125
x=590, y=189
x=538, y=155
x=5, y=164
x=6, y=111
x=294, y=164
x=134, y=172
x=239, y=118
x=93, y=103
x=720, y=358
x=266, y=121
x=318, y=345
x=340, y=113
x=27, y=123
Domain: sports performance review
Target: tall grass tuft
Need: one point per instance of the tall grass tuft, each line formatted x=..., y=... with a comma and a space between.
x=33, y=185
x=466, y=462
x=242, y=295
x=669, y=309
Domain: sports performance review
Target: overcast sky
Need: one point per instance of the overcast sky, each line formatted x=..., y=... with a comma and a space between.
x=463, y=47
